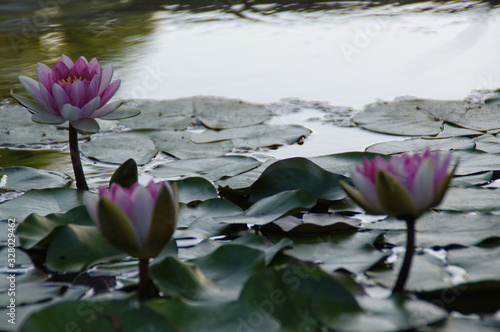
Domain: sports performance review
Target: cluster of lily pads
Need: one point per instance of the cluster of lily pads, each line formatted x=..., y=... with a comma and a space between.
x=273, y=245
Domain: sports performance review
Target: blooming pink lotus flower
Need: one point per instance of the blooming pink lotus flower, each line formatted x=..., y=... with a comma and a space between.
x=76, y=92
x=404, y=186
x=137, y=220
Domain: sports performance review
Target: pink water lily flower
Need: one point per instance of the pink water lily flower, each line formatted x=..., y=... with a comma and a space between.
x=137, y=220
x=405, y=186
x=76, y=92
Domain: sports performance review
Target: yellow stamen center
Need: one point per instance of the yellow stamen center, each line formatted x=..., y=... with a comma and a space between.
x=72, y=79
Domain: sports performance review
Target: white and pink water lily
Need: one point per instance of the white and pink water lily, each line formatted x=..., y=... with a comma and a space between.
x=77, y=92
x=405, y=186
x=137, y=220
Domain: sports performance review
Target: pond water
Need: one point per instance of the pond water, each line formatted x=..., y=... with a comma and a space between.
x=340, y=53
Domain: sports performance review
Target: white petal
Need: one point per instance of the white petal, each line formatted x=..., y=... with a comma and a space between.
x=47, y=118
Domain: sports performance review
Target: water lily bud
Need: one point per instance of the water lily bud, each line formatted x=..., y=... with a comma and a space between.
x=137, y=220
x=76, y=92
x=405, y=186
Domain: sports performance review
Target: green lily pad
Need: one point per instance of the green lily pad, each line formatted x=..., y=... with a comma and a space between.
x=294, y=174
x=194, y=189
x=252, y=137
x=313, y=223
x=35, y=297
x=271, y=208
x=450, y=130
x=467, y=181
x=118, y=147
x=164, y=114
x=42, y=202
x=342, y=163
x=185, y=315
x=16, y=128
x=101, y=315
x=481, y=264
x=219, y=113
x=217, y=277
x=488, y=143
x=464, y=324
x=475, y=161
x=200, y=221
x=419, y=117
x=26, y=178
x=420, y=144
x=397, y=313
x=442, y=229
x=209, y=168
x=245, y=180
x=470, y=199
x=353, y=252
x=76, y=247
x=405, y=118
x=36, y=229
x=180, y=145
x=427, y=274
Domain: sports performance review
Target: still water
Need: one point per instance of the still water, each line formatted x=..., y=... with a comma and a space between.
x=341, y=53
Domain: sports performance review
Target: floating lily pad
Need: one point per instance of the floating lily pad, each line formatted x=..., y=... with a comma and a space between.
x=245, y=180
x=217, y=277
x=314, y=223
x=271, y=208
x=16, y=128
x=180, y=145
x=164, y=114
x=467, y=181
x=427, y=273
x=353, y=252
x=194, y=189
x=442, y=229
x=294, y=174
x=42, y=202
x=98, y=315
x=488, y=143
x=420, y=144
x=185, y=315
x=450, y=130
x=200, y=222
x=464, y=324
x=119, y=147
x=219, y=113
x=36, y=229
x=342, y=163
x=76, y=247
x=471, y=199
x=481, y=264
x=474, y=161
x=26, y=178
x=209, y=168
x=406, y=118
x=255, y=136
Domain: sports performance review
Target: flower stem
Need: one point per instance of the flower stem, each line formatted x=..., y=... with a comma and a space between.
x=75, y=159
x=410, y=249
x=144, y=279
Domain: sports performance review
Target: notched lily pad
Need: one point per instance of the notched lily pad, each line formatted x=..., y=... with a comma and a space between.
x=210, y=168
x=118, y=147
x=420, y=144
x=220, y=113
x=313, y=223
x=252, y=137
x=297, y=174
x=26, y=178
x=164, y=114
